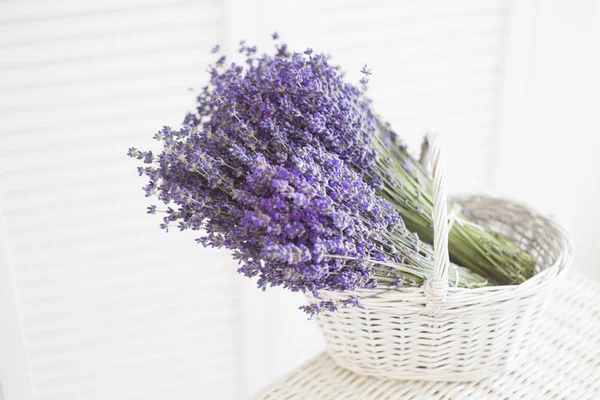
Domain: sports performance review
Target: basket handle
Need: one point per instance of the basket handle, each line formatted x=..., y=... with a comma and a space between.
x=436, y=287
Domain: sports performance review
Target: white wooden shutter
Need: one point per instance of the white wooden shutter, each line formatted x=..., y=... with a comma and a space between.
x=548, y=133
x=112, y=307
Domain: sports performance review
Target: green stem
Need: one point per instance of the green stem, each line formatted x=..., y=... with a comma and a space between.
x=407, y=186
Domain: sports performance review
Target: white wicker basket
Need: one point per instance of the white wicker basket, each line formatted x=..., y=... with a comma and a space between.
x=437, y=332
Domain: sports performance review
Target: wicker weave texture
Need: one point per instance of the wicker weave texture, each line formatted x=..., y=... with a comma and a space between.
x=563, y=363
x=474, y=333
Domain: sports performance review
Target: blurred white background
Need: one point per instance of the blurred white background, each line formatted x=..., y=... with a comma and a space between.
x=96, y=302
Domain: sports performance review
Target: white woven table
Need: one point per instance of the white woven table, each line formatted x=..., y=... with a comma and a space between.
x=564, y=363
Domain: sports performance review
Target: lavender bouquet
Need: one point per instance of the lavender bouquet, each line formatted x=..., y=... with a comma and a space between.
x=285, y=164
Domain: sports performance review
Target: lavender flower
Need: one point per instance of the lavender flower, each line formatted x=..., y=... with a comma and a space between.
x=293, y=99
x=290, y=99
x=267, y=166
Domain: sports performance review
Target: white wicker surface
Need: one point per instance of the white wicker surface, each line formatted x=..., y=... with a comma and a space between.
x=444, y=333
x=563, y=363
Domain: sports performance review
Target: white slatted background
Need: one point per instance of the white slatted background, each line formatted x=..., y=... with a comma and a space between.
x=112, y=307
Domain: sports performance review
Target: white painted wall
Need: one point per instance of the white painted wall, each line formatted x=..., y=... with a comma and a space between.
x=110, y=307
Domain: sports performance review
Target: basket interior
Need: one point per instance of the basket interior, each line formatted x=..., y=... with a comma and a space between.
x=535, y=234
